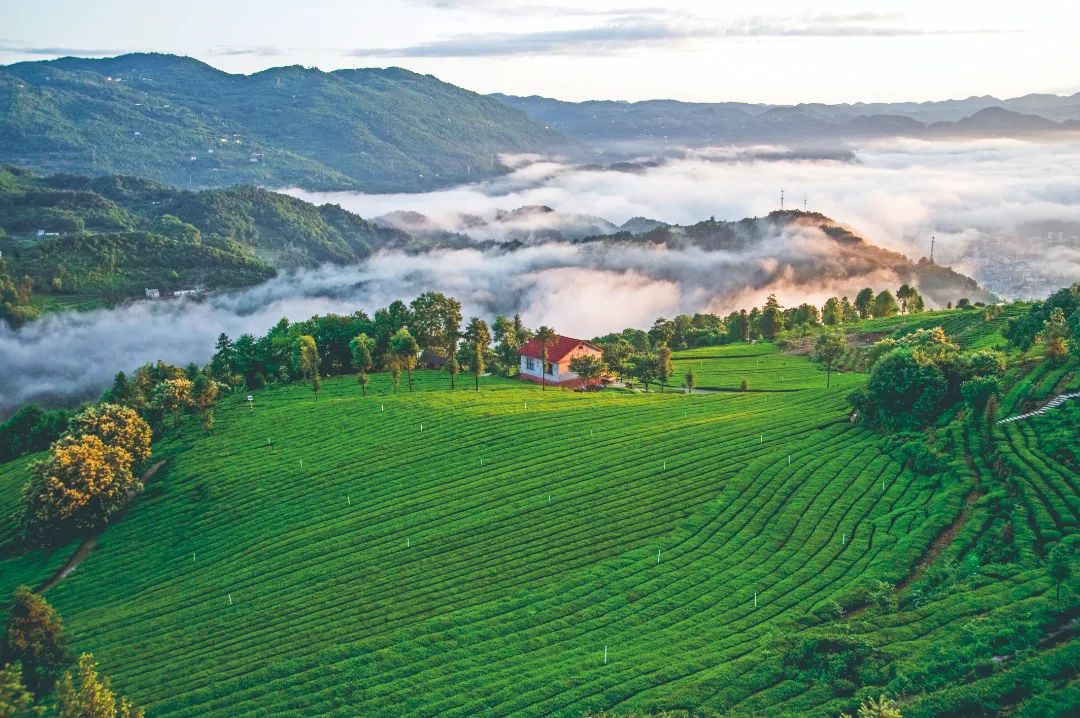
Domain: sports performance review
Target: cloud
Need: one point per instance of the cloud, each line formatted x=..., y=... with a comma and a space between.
x=260, y=51
x=61, y=51
x=978, y=197
x=630, y=32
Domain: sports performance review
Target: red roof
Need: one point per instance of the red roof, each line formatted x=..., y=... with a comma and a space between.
x=557, y=350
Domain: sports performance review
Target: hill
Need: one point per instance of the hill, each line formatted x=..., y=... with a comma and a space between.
x=798, y=250
x=524, y=553
x=114, y=236
x=630, y=128
x=180, y=121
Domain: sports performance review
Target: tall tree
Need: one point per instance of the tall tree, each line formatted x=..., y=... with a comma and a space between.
x=903, y=294
x=864, y=302
x=310, y=362
x=15, y=700
x=87, y=694
x=546, y=336
x=477, y=337
x=452, y=368
x=34, y=637
x=435, y=322
x=848, y=310
x=772, y=318
x=1059, y=562
x=691, y=381
x=885, y=305
x=360, y=348
x=1055, y=336
x=643, y=368
x=829, y=347
x=405, y=347
x=617, y=355
x=832, y=313
x=664, y=368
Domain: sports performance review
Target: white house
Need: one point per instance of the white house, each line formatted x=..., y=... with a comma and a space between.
x=560, y=352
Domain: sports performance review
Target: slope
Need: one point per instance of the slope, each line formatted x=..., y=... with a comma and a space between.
x=177, y=120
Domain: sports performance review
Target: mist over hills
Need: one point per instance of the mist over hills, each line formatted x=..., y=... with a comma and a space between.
x=181, y=121
x=654, y=125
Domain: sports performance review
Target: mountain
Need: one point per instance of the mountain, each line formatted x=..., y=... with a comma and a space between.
x=110, y=238
x=115, y=236
x=626, y=128
x=803, y=251
x=177, y=120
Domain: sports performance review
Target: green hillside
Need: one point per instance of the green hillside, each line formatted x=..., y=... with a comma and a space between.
x=80, y=238
x=177, y=120
x=476, y=553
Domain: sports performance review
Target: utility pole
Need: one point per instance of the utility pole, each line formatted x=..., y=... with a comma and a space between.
x=804, y=203
x=781, y=199
x=932, y=239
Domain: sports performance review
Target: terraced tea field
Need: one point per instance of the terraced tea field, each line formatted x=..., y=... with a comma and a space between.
x=516, y=552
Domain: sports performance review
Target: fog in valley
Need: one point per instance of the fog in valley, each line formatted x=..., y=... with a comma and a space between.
x=982, y=199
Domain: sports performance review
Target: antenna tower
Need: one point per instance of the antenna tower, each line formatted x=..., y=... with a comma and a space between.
x=932, y=240
x=781, y=200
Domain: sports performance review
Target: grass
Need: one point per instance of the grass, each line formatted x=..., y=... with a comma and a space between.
x=481, y=564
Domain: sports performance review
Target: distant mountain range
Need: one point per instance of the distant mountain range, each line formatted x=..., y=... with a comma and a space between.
x=177, y=120
x=632, y=128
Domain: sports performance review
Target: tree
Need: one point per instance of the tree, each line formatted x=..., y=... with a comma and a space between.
x=691, y=381
x=903, y=294
x=204, y=391
x=477, y=337
x=643, y=368
x=1059, y=561
x=588, y=367
x=509, y=335
x=360, y=348
x=664, y=368
x=829, y=348
x=208, y=421
x=885, y=305
x=90, y=695
x=405, y=348
x=80, y=486
x=1055, y=336
x=435, y=322
x=977, y=392
x=864, y=301
x=172, y=396
x=848, y=311
x=117, y=426
x=772, y=319
x=310, y=361
x=546, y=336
x=223, y=363
x=832, y=313
x=616, y=356
x=15, y=700
x=34, y=637
x=904, y=391
x=395, y=372
x=452, y=368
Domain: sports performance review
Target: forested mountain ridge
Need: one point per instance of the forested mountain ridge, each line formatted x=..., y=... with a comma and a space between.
x=115, y=236
x=181, y=121
x=628, y=128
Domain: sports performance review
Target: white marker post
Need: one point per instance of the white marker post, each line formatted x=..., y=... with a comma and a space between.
x=549, y=499
x=407, y=542
x=658, y=555
x=843, y=539
x=349, y=499
x=605, y=654
x=421, y=428
x=755, y=599
x=193, y=557
x=230, y=599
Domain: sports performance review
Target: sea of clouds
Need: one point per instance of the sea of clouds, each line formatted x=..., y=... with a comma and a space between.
x=894, y=193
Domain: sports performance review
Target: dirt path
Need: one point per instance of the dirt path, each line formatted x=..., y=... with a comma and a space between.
x=88, y=543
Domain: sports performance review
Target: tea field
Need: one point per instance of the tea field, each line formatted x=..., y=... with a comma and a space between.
x=519, y=552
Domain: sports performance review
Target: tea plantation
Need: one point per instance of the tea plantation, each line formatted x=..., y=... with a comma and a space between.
x=514, y=551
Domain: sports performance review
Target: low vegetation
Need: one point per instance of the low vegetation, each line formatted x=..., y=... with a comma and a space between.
x=520, y=551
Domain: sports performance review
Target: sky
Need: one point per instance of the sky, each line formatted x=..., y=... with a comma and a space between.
x=775, y=51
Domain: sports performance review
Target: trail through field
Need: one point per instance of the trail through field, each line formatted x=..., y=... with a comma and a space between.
x=88, y=543
x=1052, y=404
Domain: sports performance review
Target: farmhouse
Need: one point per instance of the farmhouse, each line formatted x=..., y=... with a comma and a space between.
x=560, y=352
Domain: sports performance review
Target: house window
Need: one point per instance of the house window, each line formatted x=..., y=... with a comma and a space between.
x=551, y=369
x=530, y=364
